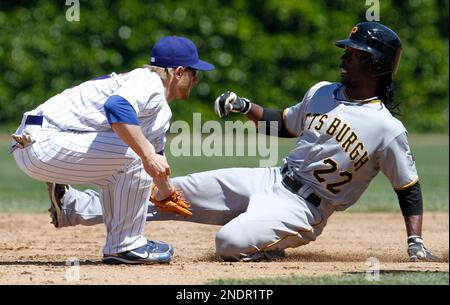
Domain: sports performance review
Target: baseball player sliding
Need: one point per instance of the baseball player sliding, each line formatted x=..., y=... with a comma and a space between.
x=346, y=134
x=110, y=132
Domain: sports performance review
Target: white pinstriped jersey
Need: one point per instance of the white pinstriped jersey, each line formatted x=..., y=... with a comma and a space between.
x=343, y=145
x=80, y=108
x=75, y=144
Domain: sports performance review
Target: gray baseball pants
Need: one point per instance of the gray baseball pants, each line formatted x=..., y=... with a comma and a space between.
x=256, y=211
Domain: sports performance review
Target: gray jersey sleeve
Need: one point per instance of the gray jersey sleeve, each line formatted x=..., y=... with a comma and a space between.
x=397, y=163
x=294, y=117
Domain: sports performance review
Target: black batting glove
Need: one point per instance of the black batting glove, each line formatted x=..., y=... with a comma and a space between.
x=230, y=102
x=417, y=250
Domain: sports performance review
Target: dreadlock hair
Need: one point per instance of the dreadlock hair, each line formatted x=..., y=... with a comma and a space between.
x=385, y=89
x=385, y=92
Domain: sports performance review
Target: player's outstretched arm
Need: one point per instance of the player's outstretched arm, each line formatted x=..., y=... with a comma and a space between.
x=410, y=200
x=231, y=102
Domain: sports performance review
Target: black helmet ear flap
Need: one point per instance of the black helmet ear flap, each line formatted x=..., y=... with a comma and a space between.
x=377, y=66
x=371, y=64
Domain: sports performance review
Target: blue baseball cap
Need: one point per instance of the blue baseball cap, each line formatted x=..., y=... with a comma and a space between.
x=173, y=51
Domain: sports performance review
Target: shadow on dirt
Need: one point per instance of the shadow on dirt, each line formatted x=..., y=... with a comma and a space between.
x=49, y=263
x=309, y=256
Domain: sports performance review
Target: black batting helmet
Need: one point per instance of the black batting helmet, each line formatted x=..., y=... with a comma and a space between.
x=378, y=40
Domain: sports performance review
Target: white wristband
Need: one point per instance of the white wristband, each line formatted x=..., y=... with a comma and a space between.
x=249, y=107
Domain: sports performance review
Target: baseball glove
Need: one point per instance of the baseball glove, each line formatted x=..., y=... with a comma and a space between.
x=174, y=203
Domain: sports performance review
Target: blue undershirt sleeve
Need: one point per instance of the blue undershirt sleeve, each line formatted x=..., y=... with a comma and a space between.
x=119, y=110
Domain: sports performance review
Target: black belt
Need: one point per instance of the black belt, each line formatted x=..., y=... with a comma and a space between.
x=34, y=120
x=294, y=186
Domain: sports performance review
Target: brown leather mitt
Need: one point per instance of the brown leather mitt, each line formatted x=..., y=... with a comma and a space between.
x=174, y=204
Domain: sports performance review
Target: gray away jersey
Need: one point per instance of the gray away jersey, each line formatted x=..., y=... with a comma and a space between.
x=343, y=145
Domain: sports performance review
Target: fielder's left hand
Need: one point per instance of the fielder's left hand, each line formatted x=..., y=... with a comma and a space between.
x=418, y=252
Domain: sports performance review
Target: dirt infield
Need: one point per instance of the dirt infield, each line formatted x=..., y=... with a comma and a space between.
x=33, y=252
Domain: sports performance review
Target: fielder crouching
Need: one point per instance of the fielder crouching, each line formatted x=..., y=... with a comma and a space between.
x=110, y=132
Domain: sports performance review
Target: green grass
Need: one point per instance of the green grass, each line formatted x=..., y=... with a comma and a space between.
x=19, y=193
x=385, y=278
x=431, y=155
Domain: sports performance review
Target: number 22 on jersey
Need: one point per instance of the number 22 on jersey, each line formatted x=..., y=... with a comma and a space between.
x=332, y=187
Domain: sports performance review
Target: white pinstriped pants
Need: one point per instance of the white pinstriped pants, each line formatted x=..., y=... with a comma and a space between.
x=94, y=158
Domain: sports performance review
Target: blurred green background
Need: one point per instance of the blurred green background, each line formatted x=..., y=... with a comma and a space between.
x=270, y=51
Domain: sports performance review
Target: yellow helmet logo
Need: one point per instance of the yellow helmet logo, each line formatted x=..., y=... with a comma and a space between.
x=355, y=28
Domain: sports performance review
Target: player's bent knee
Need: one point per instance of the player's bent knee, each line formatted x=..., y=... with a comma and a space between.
x=230, y=247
